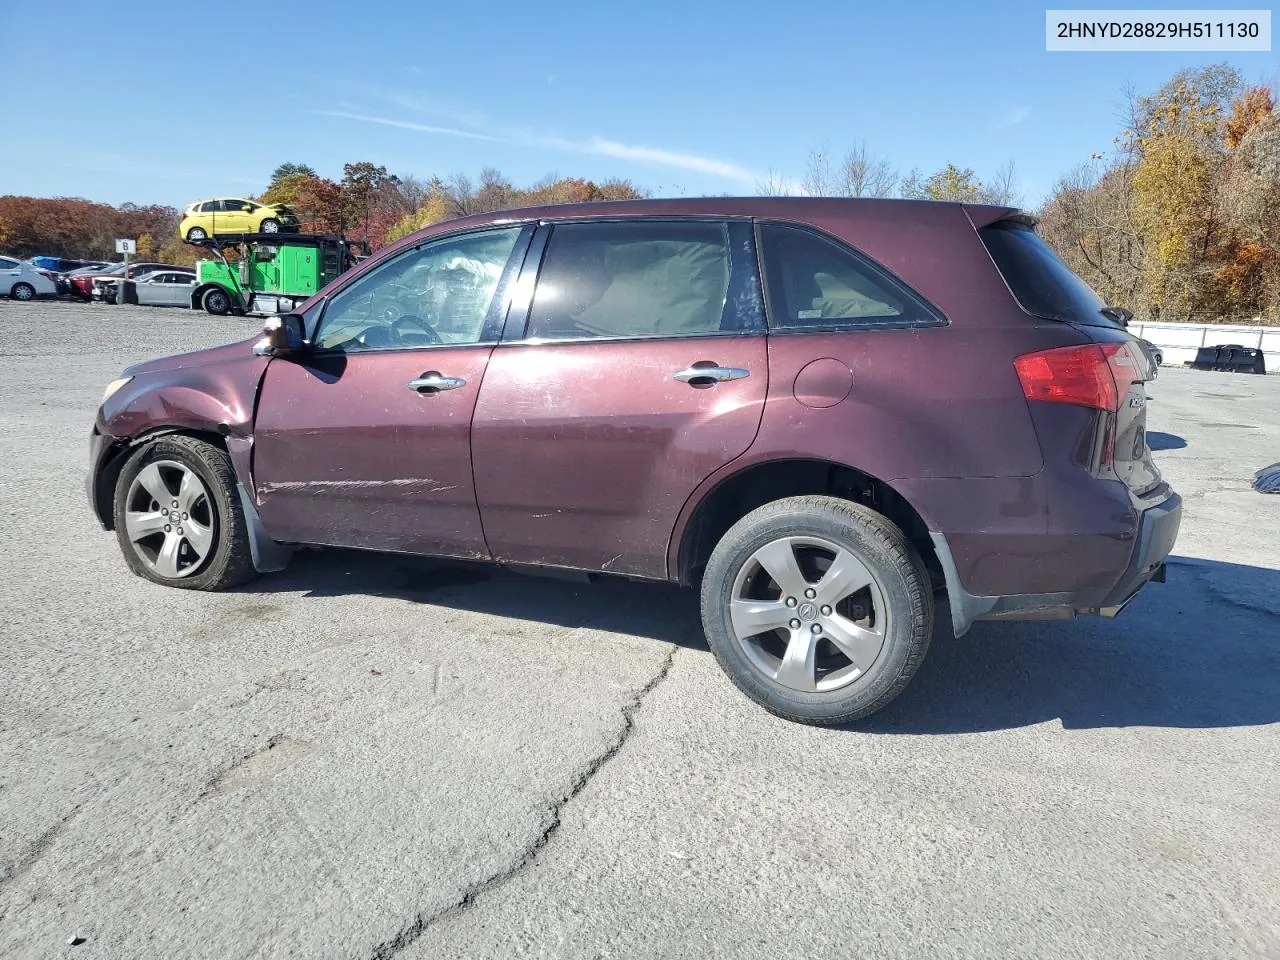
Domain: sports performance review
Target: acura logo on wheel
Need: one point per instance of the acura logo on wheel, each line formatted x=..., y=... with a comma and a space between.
x=807, y=611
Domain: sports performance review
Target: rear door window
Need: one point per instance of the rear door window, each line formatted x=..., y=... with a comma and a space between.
x=1042, y=284
x=816, y=283
x=642, y=278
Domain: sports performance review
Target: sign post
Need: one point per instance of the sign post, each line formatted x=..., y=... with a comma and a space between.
x=125, y=247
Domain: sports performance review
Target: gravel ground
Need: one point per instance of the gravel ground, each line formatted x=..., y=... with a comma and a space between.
x=366, y=757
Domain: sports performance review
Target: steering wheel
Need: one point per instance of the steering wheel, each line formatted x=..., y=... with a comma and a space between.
x=409, y=319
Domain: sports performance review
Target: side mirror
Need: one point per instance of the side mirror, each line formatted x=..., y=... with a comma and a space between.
x=282, y=335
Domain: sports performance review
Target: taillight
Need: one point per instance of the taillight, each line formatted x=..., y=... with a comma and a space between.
x=1090, y=375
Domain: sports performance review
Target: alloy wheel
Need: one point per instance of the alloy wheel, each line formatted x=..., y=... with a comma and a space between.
x=808, y=614
x=169, y=518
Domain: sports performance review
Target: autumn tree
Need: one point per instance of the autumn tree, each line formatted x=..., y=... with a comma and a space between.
x=1248, y=272
x=317, y=201
x=1180, y=149
x=363, y=184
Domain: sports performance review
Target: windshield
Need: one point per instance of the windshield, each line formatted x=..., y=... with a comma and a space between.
x=1042, y=284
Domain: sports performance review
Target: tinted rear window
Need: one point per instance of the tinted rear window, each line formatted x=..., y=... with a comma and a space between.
x=1043, y=285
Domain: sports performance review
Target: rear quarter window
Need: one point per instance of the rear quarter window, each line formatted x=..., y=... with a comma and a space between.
x=816, y=283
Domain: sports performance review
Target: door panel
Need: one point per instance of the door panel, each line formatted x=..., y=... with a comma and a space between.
x=585, y=452
x=346, y=454
x=232, y=218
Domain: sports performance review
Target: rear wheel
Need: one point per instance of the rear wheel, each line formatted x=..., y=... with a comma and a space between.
x=217, y=301
x=178, y=517
x=23, y=291
x=817, y=608
x=196, y=233
x=270, y=226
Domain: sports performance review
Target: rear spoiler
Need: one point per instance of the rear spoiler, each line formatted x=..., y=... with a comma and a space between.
x=982, y=215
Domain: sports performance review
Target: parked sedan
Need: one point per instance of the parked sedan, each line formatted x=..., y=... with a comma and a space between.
x=158, y=289
x=21, y=281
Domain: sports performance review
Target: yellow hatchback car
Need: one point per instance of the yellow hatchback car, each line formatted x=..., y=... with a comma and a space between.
x=207, y=218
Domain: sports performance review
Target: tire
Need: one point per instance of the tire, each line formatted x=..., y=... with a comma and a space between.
x=217, y=301
x=197, y=233
x=888, y=623
x=211, y=505
x=23, y=291
x=269, y=226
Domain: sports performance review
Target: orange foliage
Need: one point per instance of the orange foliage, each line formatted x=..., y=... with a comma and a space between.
x=1253, y=107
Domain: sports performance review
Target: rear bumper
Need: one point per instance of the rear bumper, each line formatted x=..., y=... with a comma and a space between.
x=1157, y=531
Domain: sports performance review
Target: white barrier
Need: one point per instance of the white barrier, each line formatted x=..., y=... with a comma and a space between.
x=1180, y=341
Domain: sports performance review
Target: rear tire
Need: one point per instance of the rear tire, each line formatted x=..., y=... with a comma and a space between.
x=217, y=301
x=23, y=292
x=194, y=483
x=862, y=632
x=196, y=234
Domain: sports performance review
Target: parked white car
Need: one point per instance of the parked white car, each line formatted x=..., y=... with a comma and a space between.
x=22, y=281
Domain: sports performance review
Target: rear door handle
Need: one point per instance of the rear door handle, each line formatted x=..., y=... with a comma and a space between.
x=435, y=382
x=710, y=372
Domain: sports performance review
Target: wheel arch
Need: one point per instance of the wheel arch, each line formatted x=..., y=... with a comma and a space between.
x=709, y=516
x=108, y=472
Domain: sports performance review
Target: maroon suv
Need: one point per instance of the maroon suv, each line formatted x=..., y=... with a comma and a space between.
x=823, y=413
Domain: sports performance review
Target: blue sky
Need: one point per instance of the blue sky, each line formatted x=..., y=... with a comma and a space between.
x=682, y=97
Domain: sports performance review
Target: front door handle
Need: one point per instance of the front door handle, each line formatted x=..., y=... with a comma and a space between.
x=433, y=382
x=708, y=372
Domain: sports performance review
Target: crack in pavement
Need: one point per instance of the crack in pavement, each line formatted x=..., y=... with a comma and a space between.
x=472, y=892
x=42, y=845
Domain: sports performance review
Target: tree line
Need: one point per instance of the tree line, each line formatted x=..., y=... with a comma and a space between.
x=367, y=204
x=1180, y=220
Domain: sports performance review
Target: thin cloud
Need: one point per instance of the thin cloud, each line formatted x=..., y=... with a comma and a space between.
x=654, y=155
x=406, y=125
x=597, y=146
x=1011, y=119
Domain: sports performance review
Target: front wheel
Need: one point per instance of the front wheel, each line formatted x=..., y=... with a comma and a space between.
x=270, y=226
x=217, y=301
x=23, y=291
x=178, y=518
x=819, y=609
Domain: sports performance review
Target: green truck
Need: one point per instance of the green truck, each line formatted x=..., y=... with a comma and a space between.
x=273, y=273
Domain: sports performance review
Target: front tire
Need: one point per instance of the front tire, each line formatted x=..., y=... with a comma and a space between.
x=217, y=302
x=178, y=517
x=269, y=226
x=23, y=292
x=817, y=608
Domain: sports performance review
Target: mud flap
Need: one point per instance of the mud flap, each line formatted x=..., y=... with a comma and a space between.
x=268, y=555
